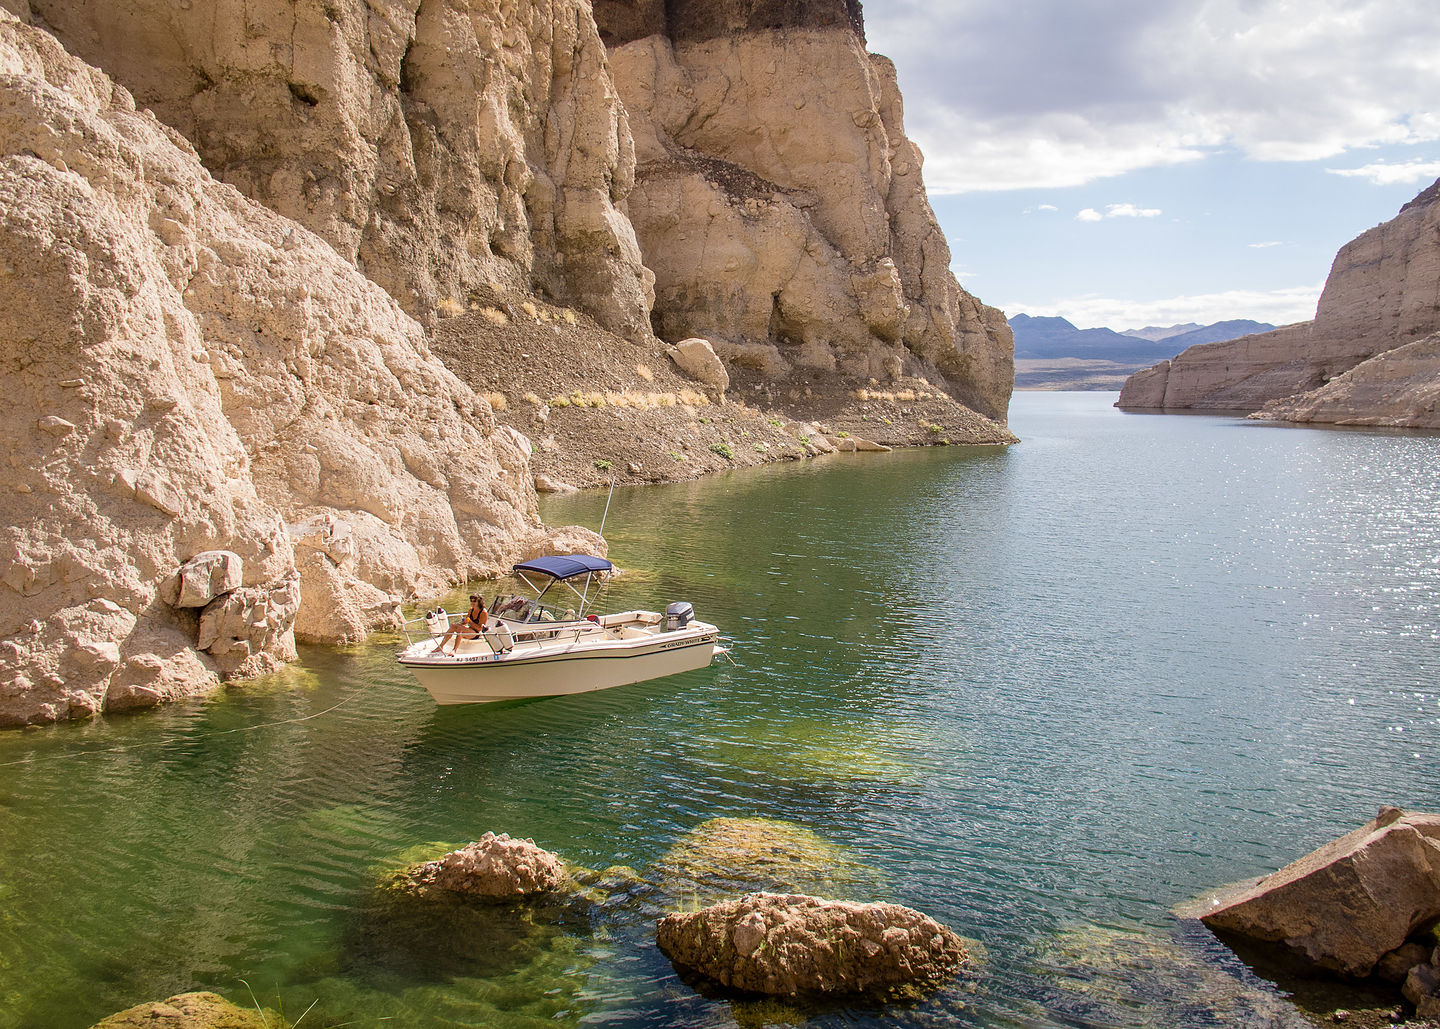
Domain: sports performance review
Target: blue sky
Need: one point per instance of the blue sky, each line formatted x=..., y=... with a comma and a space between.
x=1128, y=163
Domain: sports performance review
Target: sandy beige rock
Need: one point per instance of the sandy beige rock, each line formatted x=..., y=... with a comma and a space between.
x=1347, y=904
x=442, y=147
x=192, y=1011
x=1380, y=295
x=1399, y=388
x=496, y=868
x=779, y=201
x=792, y=945
x=696, y=358
x=224, y=375
x=203, y=578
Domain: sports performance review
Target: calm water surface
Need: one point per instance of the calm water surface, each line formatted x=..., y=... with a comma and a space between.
x=1042, y=693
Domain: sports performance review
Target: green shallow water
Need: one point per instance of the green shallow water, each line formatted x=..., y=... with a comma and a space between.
x=1042, y=693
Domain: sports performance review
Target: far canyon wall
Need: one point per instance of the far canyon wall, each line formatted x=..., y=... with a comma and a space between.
x=1383, y=292
x=780, y=203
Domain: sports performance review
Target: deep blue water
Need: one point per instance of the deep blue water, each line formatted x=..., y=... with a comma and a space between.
x=1042, y=693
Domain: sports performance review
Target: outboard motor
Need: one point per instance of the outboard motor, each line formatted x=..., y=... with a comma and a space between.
x=678, y=615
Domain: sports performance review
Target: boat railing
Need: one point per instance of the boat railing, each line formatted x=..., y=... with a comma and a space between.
x=532, y=628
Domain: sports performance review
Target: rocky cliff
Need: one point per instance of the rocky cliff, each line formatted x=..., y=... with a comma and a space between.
x=220, y=433
x=1383, y=292
x=230, y=235
x=444, y=147
x=780, y=203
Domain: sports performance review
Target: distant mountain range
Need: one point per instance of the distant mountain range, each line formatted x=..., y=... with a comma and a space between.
x=1051, y=353
x=1051, y=338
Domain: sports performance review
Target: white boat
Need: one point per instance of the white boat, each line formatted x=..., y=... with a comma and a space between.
x=532, y=649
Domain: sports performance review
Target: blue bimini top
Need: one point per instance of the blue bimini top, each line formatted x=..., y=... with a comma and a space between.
x=567, y=567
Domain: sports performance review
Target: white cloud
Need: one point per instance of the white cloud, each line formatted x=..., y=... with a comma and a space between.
x=1089, y=214
x=1382, y=174
x=1051, y=93
x=1047, y=207
x=1131, y=211
x=1262, y=246
x=1279, y=307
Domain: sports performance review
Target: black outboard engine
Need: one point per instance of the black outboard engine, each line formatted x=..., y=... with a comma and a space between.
x=678, y=615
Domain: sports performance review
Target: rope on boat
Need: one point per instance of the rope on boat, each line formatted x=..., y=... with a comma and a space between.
x=166, y=742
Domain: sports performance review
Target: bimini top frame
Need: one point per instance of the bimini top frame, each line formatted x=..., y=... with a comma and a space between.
x=563, y=569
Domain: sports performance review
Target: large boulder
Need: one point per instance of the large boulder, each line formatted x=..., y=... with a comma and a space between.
x=494, y=868
x=793, y=945
x=1346, y=905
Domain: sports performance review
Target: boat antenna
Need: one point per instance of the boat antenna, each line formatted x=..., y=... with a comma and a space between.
x=607, y=504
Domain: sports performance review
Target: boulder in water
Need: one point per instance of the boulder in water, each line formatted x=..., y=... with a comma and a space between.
x=495, y=868
x=795, y=945
x=192, y=1011
x=1346, y=905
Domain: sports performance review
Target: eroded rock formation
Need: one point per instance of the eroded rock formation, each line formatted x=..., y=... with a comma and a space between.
x=793, y=945
x=1383, y=293
x=442, y=146
x=191, y=372
x=780, y=203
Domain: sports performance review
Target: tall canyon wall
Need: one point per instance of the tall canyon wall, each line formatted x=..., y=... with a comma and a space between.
x=1383, y=292
x=780, y=203
x=442, y=146
x=194, y=378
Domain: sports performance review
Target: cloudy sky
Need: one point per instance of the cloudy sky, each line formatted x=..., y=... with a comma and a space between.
x=1135, y=162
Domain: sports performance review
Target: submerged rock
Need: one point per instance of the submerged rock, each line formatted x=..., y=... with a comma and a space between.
x=192, y=1011
x=1346, y=905
x=792, y=944
x=723, y=857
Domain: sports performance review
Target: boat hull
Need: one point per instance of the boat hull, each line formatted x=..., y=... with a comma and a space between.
x=561, y=671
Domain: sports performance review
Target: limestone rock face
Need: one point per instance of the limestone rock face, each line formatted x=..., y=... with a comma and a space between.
x=1399, y=388
x=190, y=372
x=1380, y=295
x=442, y=146
x=495, y=867
x=792, y=944
x=779, y=201
x=1347, y=904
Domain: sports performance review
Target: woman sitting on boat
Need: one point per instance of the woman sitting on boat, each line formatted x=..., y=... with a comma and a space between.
x=470, y=626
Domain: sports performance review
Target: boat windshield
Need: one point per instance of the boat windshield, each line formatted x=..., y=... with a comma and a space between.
x=514, y=608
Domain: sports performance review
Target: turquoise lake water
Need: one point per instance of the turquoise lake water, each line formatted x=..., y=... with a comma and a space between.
x=1041, y=693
